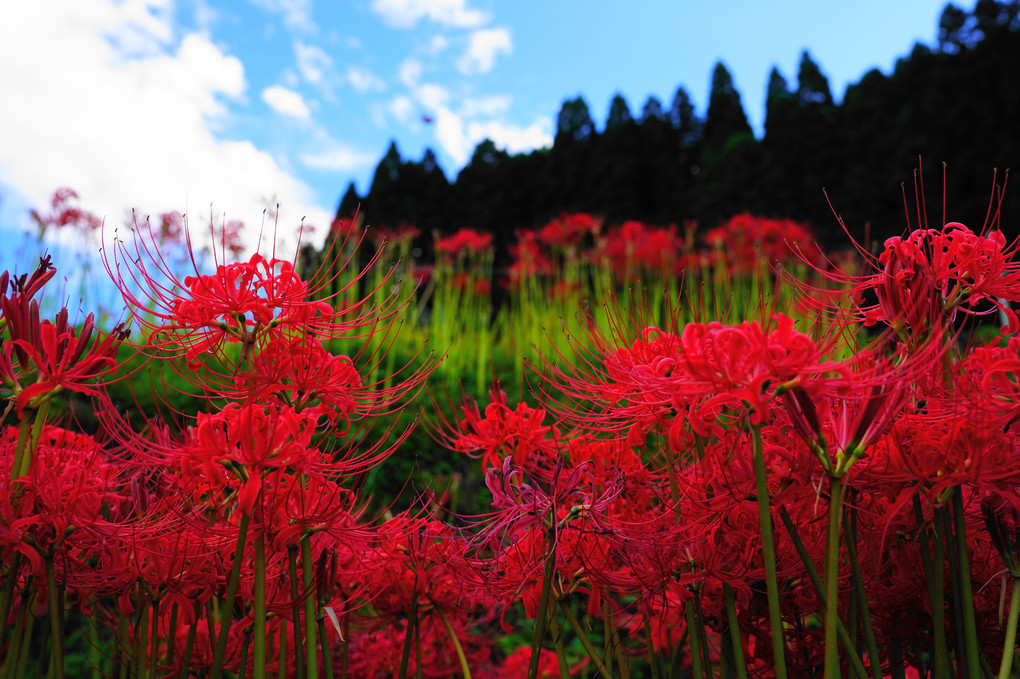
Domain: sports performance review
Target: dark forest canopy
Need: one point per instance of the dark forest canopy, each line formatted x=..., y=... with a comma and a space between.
x=956, y=103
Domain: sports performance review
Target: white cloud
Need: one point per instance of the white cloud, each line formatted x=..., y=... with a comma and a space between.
x=297, y=14
x=437, y=44
x=512, y=138
x=407, y=13
x=486, y=106
x=363, y=80
x=433, y=97
x=313, y=63
x=483, y=46
x=450, y=132
x=459, y=139
x=131, y=132
x=402, y=108
x=286, y=102
x=337, y=157
x=409, y=71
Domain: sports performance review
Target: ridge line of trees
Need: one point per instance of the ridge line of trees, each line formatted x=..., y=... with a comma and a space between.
x=956, y=103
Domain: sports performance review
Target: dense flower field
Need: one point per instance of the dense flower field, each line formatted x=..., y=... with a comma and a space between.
x=736, y=457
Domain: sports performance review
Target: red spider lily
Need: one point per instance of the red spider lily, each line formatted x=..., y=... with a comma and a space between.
x=924, y=279
x=635, y=247
x=503, y=432
x=746, y=242
x=527, y=518
x=517, y=663
x=530, y=258
x=418, y=564
x=569, y=229
x=463, y=242
x=704, y=372
x=377, y=653
x=63, y=360
x=65, y=213
x=68, y=484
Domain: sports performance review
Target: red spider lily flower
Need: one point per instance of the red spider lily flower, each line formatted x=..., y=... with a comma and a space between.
x=255, y=436
x=569, y=229
x=503, y=432
x=65, y=213
x=517, y=663
x=377, y=653
x=924, y=279
x=68, y=484
x=463, y=242
x=635, y=248
x=63, y=360
x=530, y=258
x=415, y=562
x=747, y=242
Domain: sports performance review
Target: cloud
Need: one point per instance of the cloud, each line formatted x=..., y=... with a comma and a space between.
x=286, y=102
x=313, y=63
x=129, y=132
x=437, y=44
x=407, y=13
x=450, y=133
x=512, y=138
x=483, y=46
x=433, y=97
x=402, y=108
x=458, y=139
x=337, y=157
x=487, y=106
x=409, y=72
x=297, y=14
x=363, y=80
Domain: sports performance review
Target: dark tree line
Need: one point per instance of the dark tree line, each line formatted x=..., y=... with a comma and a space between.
x=957, y=103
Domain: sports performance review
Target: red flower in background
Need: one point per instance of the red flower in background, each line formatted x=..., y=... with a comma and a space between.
x=746, y=242
x=463, y=242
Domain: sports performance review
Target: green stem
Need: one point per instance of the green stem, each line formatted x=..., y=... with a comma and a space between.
x=543, y=603
x=874, y=659
x=26, y=645
x=412, y=621
x=295, y=609
x=561, y=653
x=809, y=566
x=1009, y=646
x=189, y=644
x=832, y=578
x=154, y=639
x=56, y=620
x=281, y=662
x=697, y=670
x=311, y=644
x=94, y=655
x=327, y=656
x=465, y=670
x=966, y=590
x=259, y=661
x=171, y=635
x=226, y=617
x=769, y=553
x=585, y=641
x=734, y=632
x=935, y=573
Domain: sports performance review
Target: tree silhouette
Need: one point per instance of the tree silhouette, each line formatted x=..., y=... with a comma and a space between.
x=619, y=113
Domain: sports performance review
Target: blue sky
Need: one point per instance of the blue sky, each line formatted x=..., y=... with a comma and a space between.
x=224, y=108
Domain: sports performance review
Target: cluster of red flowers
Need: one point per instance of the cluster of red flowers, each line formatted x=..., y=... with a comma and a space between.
x=731, y=496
